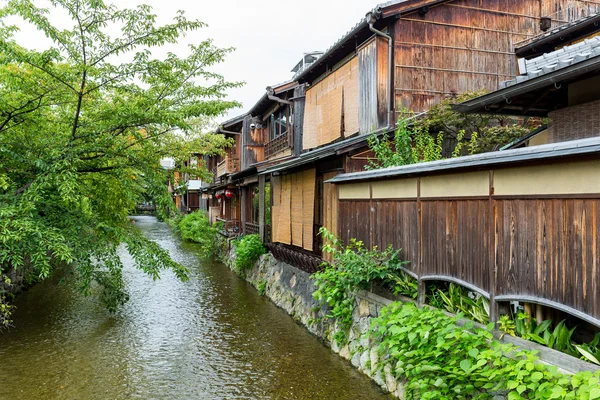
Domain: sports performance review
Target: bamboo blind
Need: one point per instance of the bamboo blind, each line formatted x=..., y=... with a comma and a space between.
x=297, y=210
x=325, y=103
x=293, y=209
x=308, y=197
x=351, y=99
x=330, y=203
x=284, y=229
x=276, y=192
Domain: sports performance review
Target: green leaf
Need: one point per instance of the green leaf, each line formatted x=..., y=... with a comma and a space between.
x=536, y=376
x=474, y=352
x=465, y=365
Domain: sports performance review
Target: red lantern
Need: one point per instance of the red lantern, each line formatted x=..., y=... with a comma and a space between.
x=228, y=194
x=218, y=196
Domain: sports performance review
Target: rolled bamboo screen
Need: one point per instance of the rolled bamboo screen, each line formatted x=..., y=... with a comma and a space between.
x=293, y=208
x=308, y=212
x=284, y=228
x=325, y=103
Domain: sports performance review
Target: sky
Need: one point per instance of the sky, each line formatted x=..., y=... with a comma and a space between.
x=270, y=36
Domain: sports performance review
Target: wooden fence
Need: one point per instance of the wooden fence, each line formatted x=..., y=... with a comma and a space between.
x=527, y=233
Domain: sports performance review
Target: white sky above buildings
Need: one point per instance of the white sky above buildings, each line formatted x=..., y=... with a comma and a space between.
x=270, y=36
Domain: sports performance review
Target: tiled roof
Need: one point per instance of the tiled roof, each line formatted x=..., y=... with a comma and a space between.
x=556, y=60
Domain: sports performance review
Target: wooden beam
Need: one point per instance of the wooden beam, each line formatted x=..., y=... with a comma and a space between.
x=261, y=207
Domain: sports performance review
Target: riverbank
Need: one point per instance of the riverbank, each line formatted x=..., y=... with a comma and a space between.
x=291, y=289
x=212, y=337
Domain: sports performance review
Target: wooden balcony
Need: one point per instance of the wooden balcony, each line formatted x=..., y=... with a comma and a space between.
x=231, y=228
x=251, y=229
x=276, y=145
x=228, y=166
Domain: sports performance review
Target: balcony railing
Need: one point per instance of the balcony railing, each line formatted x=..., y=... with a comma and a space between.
x=228, y=166
x=251, y=229
x=231, y=228
x=276, y=145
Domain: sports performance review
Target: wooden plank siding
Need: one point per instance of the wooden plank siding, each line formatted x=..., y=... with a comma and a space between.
x=402, y=232
x=467, y=45
x=367, y=87
x=455, y=241
x=253, y=144
x=548, y=248
x=515, y=245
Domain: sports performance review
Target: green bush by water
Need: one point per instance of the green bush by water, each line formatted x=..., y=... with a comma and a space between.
x=352, y=268
x=196, y=227
x=248, y=249
x=440, y=360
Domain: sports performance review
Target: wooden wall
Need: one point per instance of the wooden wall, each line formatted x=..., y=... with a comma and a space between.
x=490, y=231
x=253, y=144
x=467, y=45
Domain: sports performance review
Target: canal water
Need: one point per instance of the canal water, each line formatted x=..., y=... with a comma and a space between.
x=213, y=337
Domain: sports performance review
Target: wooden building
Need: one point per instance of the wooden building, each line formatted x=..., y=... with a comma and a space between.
x=408, y=54
x=515, y=225
x=403, y=55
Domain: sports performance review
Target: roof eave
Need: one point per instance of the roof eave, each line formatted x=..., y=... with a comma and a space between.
x=553, y=151
x=478, y=104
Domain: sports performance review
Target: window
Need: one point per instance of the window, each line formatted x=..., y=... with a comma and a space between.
x=280, y=121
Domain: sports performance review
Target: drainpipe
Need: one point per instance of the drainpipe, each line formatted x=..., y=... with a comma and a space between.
x=219, y=130
x=271, y=96
x=371, y=17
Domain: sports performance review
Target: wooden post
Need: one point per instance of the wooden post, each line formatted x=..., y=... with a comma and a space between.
x=261, y=207
x=494, y=310
x=243, y=198
x=422, y=287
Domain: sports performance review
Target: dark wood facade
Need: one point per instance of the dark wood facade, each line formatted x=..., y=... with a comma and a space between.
x=510, y=246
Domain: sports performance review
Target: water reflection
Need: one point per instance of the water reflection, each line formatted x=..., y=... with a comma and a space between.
x=210, y=338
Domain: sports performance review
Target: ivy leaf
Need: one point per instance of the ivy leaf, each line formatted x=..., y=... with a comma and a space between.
x=465, y=365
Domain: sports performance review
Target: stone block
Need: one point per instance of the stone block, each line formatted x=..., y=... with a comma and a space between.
x=345, y=352
x=390, y=380
x=379, y=379
x=374, y=359
x=356, y=360
x=373, y=311
x=363, y=308
x=365, y=360
x=363, y=325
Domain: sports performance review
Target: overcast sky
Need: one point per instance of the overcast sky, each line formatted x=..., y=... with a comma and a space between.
x=270, y=36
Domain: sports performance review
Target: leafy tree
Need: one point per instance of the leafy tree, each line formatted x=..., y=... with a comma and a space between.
x=83, y=126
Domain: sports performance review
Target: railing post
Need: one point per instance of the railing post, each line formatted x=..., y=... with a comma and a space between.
x=261, y=207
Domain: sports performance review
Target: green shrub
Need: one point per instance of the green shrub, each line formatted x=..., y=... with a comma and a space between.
x=440, y=360
x=174, y=222
x=456, y=298
x=196, y=227
x=248, y=249
x=353, y=267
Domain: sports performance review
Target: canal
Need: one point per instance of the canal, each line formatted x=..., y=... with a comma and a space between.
x=213, y=337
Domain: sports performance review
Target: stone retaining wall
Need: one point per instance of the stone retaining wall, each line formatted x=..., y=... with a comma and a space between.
x=291, y=289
